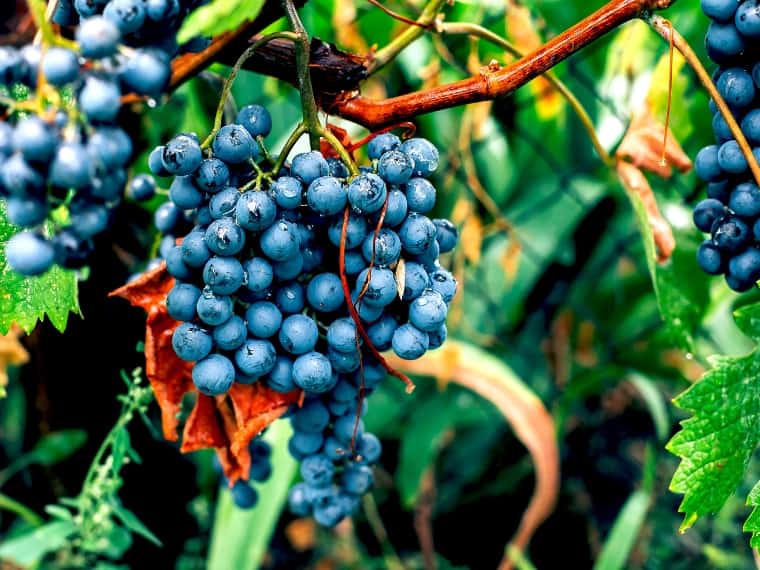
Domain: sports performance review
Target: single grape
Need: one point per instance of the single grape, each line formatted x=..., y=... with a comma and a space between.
x=26, y=212
x=264, y=319
x=147, y=72
x=29, y=253
x=357, y=479
x=195, y=253
x=395, y=167
x=313, y=373
x=230, y=335
x=214, y=309
x=244, y=495
x=420, y=195
x=233, y=144
x=256, y=357
x=385, y=249
x=35, y=139
x=326, y=196
x=71, y=167
x=378, y=286
x=256, y=120
x=97, y=37
x=280, y=379
x=317, y=470
x=100, y=99
x=223, y=275
x=213, y=375
x=224, y=203
x=325, y=292
x=290, y=297
x=367, y=193
x=255, y=210
x=309, y=166
x=731, y=234
x=280, y=241
x=191, y=342
x=381, y=144
x=181, y=155
x=60, y=66
x=409, y=342
x=225, y=237
x=417, y=234
x=142, y=187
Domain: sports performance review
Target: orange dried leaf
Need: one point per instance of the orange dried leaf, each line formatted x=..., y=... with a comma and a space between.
x=634, y=181
x=642, y=146
x=226, y=423
x=532, y=423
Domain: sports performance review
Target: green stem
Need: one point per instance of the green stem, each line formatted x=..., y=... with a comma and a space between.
x=558, y=84
x=37, y=10
x=426, y=20
x=289, y=144
x=340, y=149
x=308, y=103
x=12, y=505
x=233, y=75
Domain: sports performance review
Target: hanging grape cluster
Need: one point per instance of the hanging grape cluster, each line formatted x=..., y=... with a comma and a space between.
x=259, y=291
x=731, y=213
x=63, y=156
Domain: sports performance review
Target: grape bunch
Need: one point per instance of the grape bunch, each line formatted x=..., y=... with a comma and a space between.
x=62, y=146
x=731, y=212
x=258, y=286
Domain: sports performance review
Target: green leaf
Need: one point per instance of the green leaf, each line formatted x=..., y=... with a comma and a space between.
x=29, y=548
x=752, y=524
x=624, y=532
x=681, y=297
x=57, y=446
x=26, y=300
x=240, y=538
x=59, y=512
x=132, y=523
x=715, y=445
x=218, y=17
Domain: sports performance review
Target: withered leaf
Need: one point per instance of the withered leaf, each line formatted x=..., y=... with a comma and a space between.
x=226, y=423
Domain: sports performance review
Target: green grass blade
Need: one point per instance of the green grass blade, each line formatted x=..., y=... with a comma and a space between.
x=240, y=538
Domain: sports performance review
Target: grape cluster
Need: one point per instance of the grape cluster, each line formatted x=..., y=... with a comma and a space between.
x=731, y=212
x=62, y=145
x=259, y=292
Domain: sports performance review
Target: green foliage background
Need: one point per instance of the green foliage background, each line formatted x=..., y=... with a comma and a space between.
x=599, y=331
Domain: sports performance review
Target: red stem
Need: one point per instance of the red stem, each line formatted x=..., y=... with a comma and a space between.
x=355, y=315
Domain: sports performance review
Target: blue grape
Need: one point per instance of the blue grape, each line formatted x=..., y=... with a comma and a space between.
x=298, y=504
x=747, y=19
x=745, y=200
x=256, y=357
x=289, y=268
x=287, y=192
x=156, y=163
x=420, y=195
x=397, y=208
x=166, y=217
x=280, y=379
x=142, y=187
x=423, y=153
x=100, y=99
x=175, y=266
x=306, y=443
x=195, y=253
x=230, y=335
x=356, y=230
x=444, y=283
x=147, y=72
x=721, y=10
x=721, y=129
x=386, y=250
x=233, y=144
x=381, y=144
x=181, y=155
x=244, y=495
x=736, y=87
x=60, y=66
x=259, y=274
x=223, y=275
x=417, y=234
x=446, y=234
x=395, y=167
x=213, y=375
x=162, y=10
x=256, y=120
x=437, y=337
x=212, y=175
x=342, y=335
x=346, y=428
x=409, y=342
x=19, y=178
x=224, y=203
x=325, y=292
x=128, y=15
x=109, y=147
x=264, y=319
x=181, y=301
x=191, y=342
x=428, y=311
x=369, y=448
x=313, y=416
x=34, y=139
x=290, y=297
x=317, y=470
x=309, y=166
x=298, y=334
x=731, y=234
x=750, y=126
x=97, y=37
x=29, y=253
x=326, y=196
x=357, y=479
x=26, y=211
x=184, y=193
x=312, y=372
x=367, y=193
x=280, y=241
x=255, y=211
x=214, y=309
x=380, y=286
x=71, y=167
x=723, y=42
x=745, y=267
x=381, y=332
x=225, y=237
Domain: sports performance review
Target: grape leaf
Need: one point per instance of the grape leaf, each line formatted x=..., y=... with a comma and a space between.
x=26, y=300
x=752, y=524
x=681, y=298
x=717, y=442
x=218, y=17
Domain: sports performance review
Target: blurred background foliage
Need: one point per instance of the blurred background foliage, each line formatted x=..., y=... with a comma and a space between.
x=556, y=286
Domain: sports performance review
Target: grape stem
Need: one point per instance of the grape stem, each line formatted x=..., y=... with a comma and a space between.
x=233, y=75
x=668, y=32
x=355, y=315
x=308, y=102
